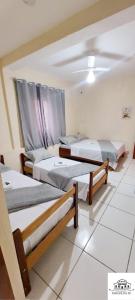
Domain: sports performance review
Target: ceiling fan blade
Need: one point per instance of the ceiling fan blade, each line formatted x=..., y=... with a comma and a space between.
x=83, y=70
x=71, y=60
x=91, y=61
x=101, y=69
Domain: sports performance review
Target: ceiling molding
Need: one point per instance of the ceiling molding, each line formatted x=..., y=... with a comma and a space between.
x=89, y=16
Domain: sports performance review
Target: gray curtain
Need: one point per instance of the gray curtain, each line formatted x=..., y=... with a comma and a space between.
x=54, y=111
x=42, y=113
x=42, y=108
x=30, y=114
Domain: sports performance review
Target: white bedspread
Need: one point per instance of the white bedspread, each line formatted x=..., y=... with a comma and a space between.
x=23, y=218
x=90, y=149
x=41, y=169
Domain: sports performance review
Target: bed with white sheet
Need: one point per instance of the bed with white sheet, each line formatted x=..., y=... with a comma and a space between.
x=41, y=171
x=90, y=149
x=21, y=219
x=36, y=227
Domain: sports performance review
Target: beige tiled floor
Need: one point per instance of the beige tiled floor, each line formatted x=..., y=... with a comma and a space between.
x=104, y=242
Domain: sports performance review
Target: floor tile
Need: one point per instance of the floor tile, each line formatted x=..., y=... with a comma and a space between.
x=114, y=175
x=104, y=194
x=119, y=221
x=124, y=164
x=126, y=189
x=94, y=211
x=110, y=248
x=131, y=170
x=81, y=235
x=131, y=267
x=57, y=263
x=113, y=182
x=128, y=179
x=124, y=202
x=40, y=290
x=87, y=281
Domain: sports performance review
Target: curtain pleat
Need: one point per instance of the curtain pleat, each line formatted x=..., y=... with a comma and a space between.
x=42, y=114
x=30, y=116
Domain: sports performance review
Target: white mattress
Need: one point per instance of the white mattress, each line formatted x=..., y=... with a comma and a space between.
x=90, y=149
x=23, y=218
x=41, y=169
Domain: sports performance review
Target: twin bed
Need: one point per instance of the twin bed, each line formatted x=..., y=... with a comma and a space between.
x=63, y=173
x=89, y=150
x=36, y=227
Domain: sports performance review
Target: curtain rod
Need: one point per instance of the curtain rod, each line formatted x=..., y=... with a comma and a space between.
x=32, y=82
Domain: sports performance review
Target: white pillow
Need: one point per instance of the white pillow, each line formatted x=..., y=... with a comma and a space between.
x=68, y=140
x=38, y=154
x=81, y=137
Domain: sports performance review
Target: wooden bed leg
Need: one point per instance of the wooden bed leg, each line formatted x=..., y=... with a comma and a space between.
x=76, y=205
x=107, y=169
x=90, y=188
x=2, y=159
x=22, y=162
x=22, y=261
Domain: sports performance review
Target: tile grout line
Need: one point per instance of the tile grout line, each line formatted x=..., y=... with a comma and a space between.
x=130, y=251
x=102, y=216
x=77, y=259
x=99, y=261
x=115, y=232
x=88, y=239
x=44, y=281
x=98, y=222
x=125, y=211
x=134, y=229
x=70, y=273
x=83, y=250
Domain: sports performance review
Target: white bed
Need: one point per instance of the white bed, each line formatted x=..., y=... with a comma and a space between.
x=23, y=218
x=41, y=169
x=90, y=149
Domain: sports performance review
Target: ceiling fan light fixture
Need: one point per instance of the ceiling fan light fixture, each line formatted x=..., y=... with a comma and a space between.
x=91, y=61
x=91, y=77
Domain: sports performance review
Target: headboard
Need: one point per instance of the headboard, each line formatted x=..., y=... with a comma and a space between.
x=2, y=159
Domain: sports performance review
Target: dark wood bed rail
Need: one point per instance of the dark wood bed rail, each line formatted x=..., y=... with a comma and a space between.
x=66, y=153
x=25, y=170
x=2, y=159
x=92, y=188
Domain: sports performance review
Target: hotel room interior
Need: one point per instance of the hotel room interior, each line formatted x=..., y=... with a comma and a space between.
x=67, y=149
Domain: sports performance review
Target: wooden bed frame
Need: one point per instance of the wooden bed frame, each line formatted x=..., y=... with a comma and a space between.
x=26, y=262
x=66, y=153
x=92, y=188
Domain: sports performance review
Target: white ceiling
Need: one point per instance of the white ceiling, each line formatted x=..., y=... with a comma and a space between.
x=114, y=49
x=19, y=23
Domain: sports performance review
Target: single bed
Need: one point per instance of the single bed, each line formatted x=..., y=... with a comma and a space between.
x=88, y=183
x=89, y=150
x=35, y=228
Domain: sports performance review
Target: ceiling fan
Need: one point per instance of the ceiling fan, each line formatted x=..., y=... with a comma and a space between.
x=92, y=69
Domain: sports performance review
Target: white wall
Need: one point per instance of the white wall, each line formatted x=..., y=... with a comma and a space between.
x=97, y=111
x=4, y=129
